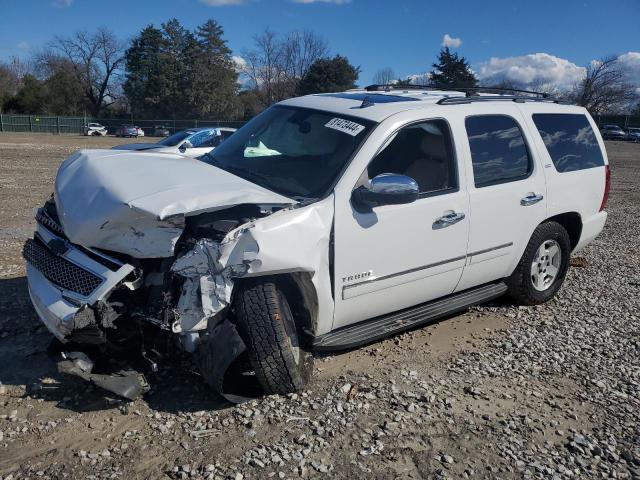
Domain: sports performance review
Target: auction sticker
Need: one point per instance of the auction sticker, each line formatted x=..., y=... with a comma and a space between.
x=345, y=126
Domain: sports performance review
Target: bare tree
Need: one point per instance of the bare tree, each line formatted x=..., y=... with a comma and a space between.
x=275, y=65
x=96, y=60
x=299, y=50
x=263, y=66
x=384, y=76
x=11, y=75
x=605, y=88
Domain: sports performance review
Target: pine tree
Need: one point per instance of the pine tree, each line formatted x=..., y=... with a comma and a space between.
x=214, y=87
x=452, y=71
x=329, y=75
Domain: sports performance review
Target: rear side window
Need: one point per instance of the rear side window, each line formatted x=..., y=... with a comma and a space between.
x=570, y=141
x=498, y=150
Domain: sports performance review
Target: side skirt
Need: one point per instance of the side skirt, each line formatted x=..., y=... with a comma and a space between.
x=384, y=326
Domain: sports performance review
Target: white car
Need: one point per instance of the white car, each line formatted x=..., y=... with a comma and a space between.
x=190, y=143
x=327, y=222
x=95, y=129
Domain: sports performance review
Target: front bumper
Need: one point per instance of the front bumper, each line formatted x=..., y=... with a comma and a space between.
x=58, y=304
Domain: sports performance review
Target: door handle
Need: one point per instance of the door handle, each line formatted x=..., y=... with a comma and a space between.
x=530, y=199
x=448, y=220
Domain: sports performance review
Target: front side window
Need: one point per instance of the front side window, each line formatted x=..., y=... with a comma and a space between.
x=498, y=150
x=422, y=151
x=570, y=141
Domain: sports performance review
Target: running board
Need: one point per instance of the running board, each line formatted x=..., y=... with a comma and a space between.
x=385, y=326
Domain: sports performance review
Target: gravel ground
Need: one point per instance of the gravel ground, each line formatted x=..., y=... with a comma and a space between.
x=498, y=392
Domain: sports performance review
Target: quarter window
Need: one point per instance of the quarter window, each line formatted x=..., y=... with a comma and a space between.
x=498, y=150
x=422, y=151
x=570, y=141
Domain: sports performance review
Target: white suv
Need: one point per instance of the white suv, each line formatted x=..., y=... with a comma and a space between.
x=328, y=221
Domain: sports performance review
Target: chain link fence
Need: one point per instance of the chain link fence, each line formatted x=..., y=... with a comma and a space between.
x=76, y=125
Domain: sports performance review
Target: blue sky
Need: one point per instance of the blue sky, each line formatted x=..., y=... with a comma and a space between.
x=405, y=35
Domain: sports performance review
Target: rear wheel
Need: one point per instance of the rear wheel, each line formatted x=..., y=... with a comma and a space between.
x=543, y=266
x=268, y=329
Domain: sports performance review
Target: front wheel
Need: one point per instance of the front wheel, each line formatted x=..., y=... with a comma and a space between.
x=268, y=329
x=543, y=266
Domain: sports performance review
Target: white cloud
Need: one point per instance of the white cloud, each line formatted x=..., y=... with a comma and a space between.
x=335, y=2
x=631, y=63
x=451, y=42
x=240, y=62
x=23, y=46
x=62, y=3
x=221, y=3
x=535, y=68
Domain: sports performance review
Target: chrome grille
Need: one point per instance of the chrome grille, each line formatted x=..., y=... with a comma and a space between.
x=59, y=270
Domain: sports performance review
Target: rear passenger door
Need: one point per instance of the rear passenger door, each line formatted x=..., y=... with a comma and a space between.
x=507, y=193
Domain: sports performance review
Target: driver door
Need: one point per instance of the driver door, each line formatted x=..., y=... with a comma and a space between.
x=397, y=256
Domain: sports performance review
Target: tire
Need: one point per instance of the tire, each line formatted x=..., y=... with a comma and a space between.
x=534, y=283
x=268, y=329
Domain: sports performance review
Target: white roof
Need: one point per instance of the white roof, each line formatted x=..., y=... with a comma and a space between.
x=385, y=102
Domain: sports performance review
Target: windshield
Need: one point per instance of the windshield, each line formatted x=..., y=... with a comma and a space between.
x=175, y=139
x=295, y=152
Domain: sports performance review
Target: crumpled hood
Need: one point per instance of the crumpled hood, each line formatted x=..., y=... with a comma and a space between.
x=135, y=203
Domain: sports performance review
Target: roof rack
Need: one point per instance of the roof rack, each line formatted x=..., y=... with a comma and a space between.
x=472, y=94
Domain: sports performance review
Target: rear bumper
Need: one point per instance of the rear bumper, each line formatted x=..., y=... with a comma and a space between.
x=591, y=228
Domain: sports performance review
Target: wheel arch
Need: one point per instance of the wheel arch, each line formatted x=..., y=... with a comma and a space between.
x=301, y=295
x=572, y=223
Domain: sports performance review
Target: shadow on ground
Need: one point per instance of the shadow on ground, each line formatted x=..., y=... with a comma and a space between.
x=28, y=362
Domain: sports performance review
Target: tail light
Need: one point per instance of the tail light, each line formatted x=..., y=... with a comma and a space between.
x=607, y=187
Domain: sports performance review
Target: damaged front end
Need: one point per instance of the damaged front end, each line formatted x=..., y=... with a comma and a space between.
x=155, y=273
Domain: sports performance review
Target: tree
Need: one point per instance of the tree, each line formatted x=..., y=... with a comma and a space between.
x=30, y=99
x=172, y=72
x=384, y=76
x=299, y=50
x=65, y=94
x=12, y=74
x=214, y=82
x=604, y=88
x=452, y=71
x=265, y=68
x=329, y=75
x=95, y=60
x=144, y=84
x=275, y=66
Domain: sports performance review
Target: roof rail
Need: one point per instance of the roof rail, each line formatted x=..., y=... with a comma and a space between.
x=515, y=93
x=510, y=98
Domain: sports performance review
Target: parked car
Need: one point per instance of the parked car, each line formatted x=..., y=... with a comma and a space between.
x=632, y=134
x=190, y=143
x=95, y=129
x=128, y=131
x=160, y=131
x=612, y=132
x=327, y=222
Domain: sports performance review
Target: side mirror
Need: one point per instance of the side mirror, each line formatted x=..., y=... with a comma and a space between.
x=385, y=189
x=186, y=144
